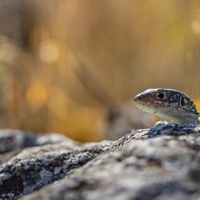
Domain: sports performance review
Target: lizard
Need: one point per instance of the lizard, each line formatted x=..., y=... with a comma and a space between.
x=168, y=104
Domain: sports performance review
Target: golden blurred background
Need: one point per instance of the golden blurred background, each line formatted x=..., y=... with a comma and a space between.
x=74, y=66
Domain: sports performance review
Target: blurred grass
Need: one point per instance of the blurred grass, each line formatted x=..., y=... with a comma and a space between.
x=65, y=64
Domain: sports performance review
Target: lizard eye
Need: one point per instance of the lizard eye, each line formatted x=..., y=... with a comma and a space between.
x=161, y=95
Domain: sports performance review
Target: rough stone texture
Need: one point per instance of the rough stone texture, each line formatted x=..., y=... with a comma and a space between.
x=158, y=163
x=13, y=141
x=40, y=160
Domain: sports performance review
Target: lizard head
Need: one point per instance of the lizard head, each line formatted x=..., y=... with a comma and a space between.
x=168, y=104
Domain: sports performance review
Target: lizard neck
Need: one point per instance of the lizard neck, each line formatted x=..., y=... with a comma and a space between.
x=182, y=119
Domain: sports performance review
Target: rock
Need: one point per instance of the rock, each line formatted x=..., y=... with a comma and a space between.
x=50, y=158
x=13, y=141
x=157, y=163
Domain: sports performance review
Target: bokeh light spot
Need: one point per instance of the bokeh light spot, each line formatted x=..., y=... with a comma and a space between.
x=36, y=95
x=48, y=52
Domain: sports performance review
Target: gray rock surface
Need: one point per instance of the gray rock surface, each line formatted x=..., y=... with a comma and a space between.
x=39, y=160
x=157, y=163
x=14, y=141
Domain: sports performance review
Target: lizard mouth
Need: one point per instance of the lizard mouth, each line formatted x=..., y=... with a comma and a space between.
x=147, y=107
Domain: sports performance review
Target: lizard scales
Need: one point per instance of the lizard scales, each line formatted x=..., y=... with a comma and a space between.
x=168, y=104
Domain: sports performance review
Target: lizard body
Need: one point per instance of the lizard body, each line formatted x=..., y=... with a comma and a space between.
x=168, y=104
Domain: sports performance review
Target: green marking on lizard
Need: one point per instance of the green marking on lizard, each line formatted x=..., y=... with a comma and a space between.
x=168, y=104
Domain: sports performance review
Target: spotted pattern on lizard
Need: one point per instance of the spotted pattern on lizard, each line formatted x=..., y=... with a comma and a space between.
x=168, y=104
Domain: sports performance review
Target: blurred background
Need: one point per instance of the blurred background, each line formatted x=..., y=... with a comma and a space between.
x=74, y=66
